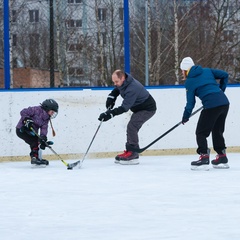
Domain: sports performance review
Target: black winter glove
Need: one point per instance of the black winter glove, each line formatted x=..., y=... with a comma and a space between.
x=43, y=145
x=43, y=139
x=111, y=99
x=106, y=116
x=111, y=113
x=184, y=120
x=110, y=102
x=28, y=123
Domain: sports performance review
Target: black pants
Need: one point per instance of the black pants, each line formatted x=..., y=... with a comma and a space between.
x=134, y=125
x=32, y=141
x=211, y=121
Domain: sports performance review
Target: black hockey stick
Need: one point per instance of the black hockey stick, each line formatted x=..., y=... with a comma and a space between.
x=79, y=162
x=68, y=165
x=140, y=150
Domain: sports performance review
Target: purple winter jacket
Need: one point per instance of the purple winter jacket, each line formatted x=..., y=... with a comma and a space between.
x=39, y=116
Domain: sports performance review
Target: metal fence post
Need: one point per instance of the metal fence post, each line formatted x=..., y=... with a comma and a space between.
x=126, y=37
x=7, y=78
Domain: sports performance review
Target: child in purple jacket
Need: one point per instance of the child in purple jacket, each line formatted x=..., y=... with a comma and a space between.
x=36, y=118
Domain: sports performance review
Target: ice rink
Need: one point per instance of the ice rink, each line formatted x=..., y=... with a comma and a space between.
x=159, y=199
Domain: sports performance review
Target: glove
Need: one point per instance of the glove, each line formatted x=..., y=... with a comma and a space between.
x=184, y=120
x=43, y=145
x=112, y=98
x=43, y=141
x=110, y=102
x=24, y=130
x=106, y=116
x=28, y=123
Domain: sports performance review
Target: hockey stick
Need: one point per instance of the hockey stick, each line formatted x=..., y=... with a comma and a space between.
x=69, y=166
x=140, y=150
x=79, y=162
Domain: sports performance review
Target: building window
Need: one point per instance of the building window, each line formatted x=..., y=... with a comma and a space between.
x=121, y=61
x=70, y=23
x=102, y=14
x=71, y=71
x=33, y=16
x=75, y=71
x=14, y=15
x=121, y=14
x=78, y=47
x=74, y=1
x=34, y=40
x=79, y=71
x=74, y=23
x=15, y=63
x=102, y=38
x=79, y=23
x=75, y=47
x=121, y=37
x=1, y=13
x=14, y=40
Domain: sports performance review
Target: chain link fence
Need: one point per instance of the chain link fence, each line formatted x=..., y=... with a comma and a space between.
x=207, y=31
x=55, y=43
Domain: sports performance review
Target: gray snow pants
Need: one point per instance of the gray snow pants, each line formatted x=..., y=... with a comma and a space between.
x=134, y=125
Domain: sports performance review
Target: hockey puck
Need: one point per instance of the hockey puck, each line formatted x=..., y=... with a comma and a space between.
x=69, y=168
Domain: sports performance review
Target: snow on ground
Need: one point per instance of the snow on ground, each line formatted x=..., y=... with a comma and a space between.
x=161, y=198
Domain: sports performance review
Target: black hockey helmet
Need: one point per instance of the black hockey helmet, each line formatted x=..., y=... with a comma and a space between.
x=50, y=104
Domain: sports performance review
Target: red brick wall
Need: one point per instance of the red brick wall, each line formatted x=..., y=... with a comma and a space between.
x=30, y=78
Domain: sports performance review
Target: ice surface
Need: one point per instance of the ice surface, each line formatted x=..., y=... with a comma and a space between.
x=161, y=198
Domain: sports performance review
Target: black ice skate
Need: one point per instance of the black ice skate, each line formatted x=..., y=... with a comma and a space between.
x=129, y=158
x=202, y=163
x=117, y=158
x=44, y=161
x=36, y=162
x=221, y=161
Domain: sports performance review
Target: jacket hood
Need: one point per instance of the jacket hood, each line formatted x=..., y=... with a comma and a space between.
x=195, y=71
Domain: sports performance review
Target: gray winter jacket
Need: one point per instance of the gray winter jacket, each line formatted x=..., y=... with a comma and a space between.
x=135, y=96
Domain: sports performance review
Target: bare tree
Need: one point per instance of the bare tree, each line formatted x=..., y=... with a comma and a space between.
x=205, y=30
x=89, y=38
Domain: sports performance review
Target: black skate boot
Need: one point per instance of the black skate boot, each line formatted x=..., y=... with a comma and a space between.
x=129, y=158
x=117, y=158
x=220, y=161
x=36, y=161
x=44, y=161
x=202, y=163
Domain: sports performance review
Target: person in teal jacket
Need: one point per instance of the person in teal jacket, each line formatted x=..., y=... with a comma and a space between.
x=202, y=83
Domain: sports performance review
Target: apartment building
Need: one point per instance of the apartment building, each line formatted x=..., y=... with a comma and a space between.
x=88, y=37
x=85, y=36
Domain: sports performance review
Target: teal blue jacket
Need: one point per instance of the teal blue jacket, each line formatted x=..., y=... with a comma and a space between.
x=201, y=83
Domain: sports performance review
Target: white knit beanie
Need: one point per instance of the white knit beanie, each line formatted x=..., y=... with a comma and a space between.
x=186, y=63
